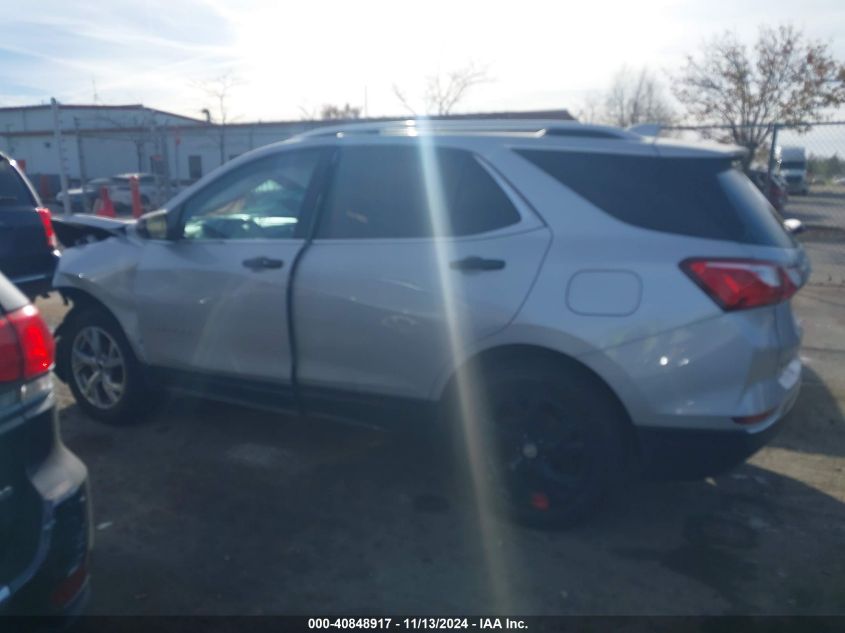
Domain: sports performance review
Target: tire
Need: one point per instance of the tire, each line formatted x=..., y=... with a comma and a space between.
x=121, y=395
x=552, y=441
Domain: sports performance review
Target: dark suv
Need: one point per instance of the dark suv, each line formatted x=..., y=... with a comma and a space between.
x=45, y=533
x=28, y=246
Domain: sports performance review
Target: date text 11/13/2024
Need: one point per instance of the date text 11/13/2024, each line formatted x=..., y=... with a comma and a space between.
x=418, y=623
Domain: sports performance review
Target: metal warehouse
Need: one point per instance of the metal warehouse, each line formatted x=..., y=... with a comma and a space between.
x=95, y=141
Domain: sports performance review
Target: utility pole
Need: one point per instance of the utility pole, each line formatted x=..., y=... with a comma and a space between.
x=81, y=156
x=165, y=163
x=223, y=141
x=773, y=152
x=57, y=139
x=177, y=141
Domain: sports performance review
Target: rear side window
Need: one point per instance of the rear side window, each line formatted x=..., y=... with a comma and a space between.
x=13, y=191
x=392, y=192
x=689, y=196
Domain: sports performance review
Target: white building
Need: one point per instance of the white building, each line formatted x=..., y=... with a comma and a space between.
x=103, y=140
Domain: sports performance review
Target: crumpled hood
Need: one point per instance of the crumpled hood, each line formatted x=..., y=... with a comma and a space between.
x=80, y=228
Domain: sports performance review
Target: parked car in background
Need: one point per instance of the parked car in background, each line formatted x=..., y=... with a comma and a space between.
x=45, y=526
x=28, y=246
x=82, y=200
x=121, y=190
x=120, y=193
x=773, y=187
x=571, y=299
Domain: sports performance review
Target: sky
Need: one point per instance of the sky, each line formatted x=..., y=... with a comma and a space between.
x=288, y=58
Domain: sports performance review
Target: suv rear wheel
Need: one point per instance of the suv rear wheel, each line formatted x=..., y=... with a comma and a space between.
x=552, y=442
x=100, y=367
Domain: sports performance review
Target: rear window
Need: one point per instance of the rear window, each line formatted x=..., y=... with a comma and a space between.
x=706, y=198
x=13, y=191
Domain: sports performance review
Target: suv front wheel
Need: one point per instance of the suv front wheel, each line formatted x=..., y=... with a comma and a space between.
x=100, y=367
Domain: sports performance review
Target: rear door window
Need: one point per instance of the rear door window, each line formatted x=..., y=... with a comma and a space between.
x=13, y=190
x=394, y=192
x=706, y=198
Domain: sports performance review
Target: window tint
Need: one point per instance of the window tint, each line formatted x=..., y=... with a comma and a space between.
x=479, y=203
x=13, y=191
x=381, y=192
x=699, y=197
x=262, y=199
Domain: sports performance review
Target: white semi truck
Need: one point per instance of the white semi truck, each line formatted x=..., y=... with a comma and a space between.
x=793, y=168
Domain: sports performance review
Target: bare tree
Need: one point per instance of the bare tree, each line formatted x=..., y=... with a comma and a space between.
x=637, y=97
x=783, y=78
x=399, y=93
x=591, y=109
x=309, y=112
x=445, y=91
x=330, y=111
x=219, y=91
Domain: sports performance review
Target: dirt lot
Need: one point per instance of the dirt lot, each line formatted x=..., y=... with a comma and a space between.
x=219, y=510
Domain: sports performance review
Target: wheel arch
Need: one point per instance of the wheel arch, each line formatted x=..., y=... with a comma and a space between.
x=80, y=300
x=513, y=353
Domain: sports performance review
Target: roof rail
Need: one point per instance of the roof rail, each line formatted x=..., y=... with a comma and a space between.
x=534, y=127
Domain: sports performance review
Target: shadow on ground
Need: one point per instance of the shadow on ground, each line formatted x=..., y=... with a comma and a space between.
x=816, y=423
x=215, y=509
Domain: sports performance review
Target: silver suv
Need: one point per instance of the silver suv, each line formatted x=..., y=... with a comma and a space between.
x=575, y=300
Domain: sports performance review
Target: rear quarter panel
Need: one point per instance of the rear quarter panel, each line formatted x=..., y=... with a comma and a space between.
x=676, y=352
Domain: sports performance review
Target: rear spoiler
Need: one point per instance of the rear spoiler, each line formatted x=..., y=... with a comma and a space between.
x=80, y=228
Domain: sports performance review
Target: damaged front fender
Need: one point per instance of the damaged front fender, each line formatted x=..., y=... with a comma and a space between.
x=98, y=266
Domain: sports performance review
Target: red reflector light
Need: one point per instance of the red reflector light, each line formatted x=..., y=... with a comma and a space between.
x=47, y=223
x=27, y=348
x=753, y=419
x=69, y=588
x=10, y=354
x=740, y=284
x=540, y=501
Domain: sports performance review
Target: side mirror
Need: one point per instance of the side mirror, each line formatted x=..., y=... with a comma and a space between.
x=793, y=225
x=153, y=226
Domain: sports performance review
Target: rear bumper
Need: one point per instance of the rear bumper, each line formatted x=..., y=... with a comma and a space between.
x=55, y=581
x=676, y=454
x=38, y=283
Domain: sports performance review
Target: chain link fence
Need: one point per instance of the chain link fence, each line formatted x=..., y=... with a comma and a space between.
x=173, y=157
x=95, y=151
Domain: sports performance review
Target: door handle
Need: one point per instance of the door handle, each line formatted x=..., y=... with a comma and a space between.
x=477, y=263
x=259, y=263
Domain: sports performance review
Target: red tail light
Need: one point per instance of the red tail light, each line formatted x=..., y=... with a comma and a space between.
x=69, y=588
x=740, y=284
x=47, y=222
x=26, y=345
x=753, y=419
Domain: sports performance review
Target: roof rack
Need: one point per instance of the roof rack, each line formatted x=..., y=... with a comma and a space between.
x=532, y=127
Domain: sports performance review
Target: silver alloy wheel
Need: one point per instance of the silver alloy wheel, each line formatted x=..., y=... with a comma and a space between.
x=98, y=367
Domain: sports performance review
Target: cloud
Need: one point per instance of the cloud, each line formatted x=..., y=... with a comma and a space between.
x=541, y=54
